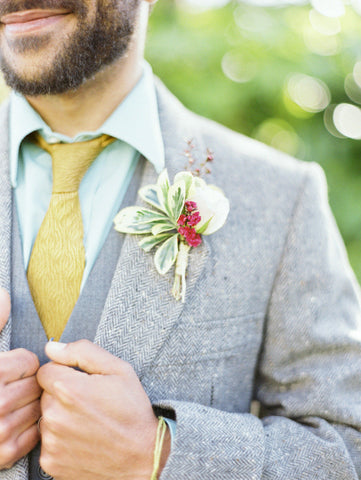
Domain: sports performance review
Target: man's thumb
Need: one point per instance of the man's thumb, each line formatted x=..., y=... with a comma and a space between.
x=85, y=355
x=5, y=307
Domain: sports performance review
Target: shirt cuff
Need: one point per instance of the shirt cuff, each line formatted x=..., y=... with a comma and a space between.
x=172, y=425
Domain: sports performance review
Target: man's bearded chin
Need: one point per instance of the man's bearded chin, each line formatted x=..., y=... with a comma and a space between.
x=84, y=53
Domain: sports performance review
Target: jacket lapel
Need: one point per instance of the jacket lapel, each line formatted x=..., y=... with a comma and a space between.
x=5, y=217
x=20, y=470
x=140, y=311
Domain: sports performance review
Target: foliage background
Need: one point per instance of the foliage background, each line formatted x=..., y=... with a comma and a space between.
x=236, y=65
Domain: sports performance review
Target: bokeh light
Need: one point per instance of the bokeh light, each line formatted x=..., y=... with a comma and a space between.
x=319, y=43
x=352, y=89
x=357, y=73
x=356, y=5
x=204, y=4
x=329, y=123
x=329, y=8
x=273, y=3
x=239, y=66
x=347, y=120
x=254, y=20
x=309, y=93
x=324, y=25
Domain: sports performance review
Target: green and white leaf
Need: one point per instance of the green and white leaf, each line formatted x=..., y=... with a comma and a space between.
x=145, y=216
x=166, y=255
x=149, y=194
x=176, y=199
x=163, y=187
x=136, y=220
x=148, y=243
x=141, y=215
x=161, y=227
x=187, y=179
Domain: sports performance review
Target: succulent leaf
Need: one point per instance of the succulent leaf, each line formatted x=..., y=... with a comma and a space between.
x=148, y=243
x=149, y=194
x=187, y=179
x=163, y=187
x=176, y=199
x=166, y=255
x=136, y=220
x=161, y=227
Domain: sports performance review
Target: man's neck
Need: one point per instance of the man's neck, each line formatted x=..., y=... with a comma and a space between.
x=89, y=106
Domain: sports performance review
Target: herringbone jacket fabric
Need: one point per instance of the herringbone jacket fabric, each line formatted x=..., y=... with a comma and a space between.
x=272, y=313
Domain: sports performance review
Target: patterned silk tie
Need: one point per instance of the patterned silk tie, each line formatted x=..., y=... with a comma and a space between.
x=57, y=260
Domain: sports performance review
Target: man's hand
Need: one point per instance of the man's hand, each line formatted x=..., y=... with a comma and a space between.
x=97, y=423
x=19, y=398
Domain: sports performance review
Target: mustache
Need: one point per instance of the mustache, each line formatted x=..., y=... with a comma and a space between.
x=14, y=6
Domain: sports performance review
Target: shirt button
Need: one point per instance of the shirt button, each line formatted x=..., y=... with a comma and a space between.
x=43, y=475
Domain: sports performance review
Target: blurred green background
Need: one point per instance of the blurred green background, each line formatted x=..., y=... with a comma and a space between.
x=287, y=75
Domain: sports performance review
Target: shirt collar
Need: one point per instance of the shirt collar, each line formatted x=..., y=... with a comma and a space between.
x=135, y=121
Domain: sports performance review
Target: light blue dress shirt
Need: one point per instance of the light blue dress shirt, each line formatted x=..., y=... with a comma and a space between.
x=135, y=125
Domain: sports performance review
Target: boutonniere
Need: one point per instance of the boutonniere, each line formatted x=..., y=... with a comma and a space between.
x=181, y=213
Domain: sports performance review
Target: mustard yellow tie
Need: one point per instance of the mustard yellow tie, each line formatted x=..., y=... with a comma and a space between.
x=57, y=260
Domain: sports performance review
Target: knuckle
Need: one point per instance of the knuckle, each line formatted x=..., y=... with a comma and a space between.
x=49, y=442
x=5, y=430
x=32, y=360
x=83, y=343
x=65, y=389
x=127, y=369
x=8, y=455
x=46, y=402
x=48, y=464
x=20, y=351
x=45, y=462
x=28, y=359
x=43, y=372
x=4, y=363
x=4, y=405
x=51, y=421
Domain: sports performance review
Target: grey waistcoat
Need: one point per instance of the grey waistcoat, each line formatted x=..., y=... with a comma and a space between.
x=28, y=332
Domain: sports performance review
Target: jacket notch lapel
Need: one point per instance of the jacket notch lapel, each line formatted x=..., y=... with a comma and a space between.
x=140, y=311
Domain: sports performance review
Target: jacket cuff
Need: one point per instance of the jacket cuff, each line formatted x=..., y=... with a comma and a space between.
x=224, y=445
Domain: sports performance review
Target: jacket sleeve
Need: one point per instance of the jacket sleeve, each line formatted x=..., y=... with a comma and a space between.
x=309, y=374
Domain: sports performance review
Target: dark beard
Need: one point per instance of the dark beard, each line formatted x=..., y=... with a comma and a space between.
x=90, y=48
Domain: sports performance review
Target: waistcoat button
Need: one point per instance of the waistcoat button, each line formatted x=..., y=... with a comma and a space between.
x=43, y=475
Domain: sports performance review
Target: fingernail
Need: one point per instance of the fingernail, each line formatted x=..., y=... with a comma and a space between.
x=54, y=347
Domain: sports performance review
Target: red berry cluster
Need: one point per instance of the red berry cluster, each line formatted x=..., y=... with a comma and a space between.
x=187, y=221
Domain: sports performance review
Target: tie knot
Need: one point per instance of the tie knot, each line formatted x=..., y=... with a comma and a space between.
x=71, y=160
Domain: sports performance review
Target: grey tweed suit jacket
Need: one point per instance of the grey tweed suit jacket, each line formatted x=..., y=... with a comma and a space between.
x=272, y=313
